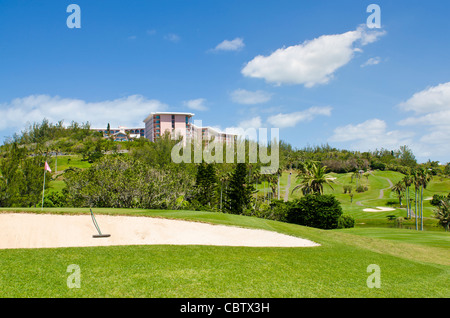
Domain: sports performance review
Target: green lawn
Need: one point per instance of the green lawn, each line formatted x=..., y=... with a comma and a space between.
x=64, y=162
x=69, y=161
x=370, y=198
x=412, y=264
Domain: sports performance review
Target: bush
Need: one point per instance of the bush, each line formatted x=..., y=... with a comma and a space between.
x=437, y=198
x=345, y=222
x=347, y=188
x=55, y=200
x=391, y=202
x=279, y=210
x=377, y=165
x=314, y=210
x=361, y=188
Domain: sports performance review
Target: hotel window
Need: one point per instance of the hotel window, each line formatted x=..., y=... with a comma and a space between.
x=173, y=121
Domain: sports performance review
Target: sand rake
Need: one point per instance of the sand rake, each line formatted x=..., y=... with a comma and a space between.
x=99, y=235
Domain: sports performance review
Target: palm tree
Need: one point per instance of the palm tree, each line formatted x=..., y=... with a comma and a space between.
x=408, y=180
x=273, y=184
x=415, y=182
x=424, y=178
x=304, y=172
x=313, y=178
x=443, y=213
x=356, y=175
x=399, y=187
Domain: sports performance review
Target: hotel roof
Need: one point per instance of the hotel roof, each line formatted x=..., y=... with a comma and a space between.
x=168, y=113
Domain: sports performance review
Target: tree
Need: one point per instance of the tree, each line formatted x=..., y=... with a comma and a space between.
x=118, y=181
x=21, y=177
x=416, y=182
x=447, y=169
x=239, y=194
x=442, y=213
x=437, y=199
x=206, y=183
x=399, y=188
x=407, y=157
x=421, y=177
x=424, y=177
x=224, y=178
x=274, y=183
x=315, y=210
x=408, y=180
x=313, y=178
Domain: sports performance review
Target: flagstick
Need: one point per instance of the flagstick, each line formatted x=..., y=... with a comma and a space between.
x=43, y=189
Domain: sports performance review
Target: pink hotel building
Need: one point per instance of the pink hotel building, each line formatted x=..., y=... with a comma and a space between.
x=156, y=124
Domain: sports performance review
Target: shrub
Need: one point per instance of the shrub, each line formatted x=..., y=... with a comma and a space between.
x=314, y=210
x=279, y=210
x=345, y=222
x=399, y=221
x=437, y=198
x=361, y=188
x=377, y=165
x=347, y=188
x=391, y=202
x=55, y=199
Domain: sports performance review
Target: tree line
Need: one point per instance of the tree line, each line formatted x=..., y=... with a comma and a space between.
x=146, y=177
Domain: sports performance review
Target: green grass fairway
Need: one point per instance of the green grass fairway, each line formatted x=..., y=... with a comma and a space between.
x=375, y=182
x=64, y=162
x=70, y=161
x=439, y=239
x=411, y=264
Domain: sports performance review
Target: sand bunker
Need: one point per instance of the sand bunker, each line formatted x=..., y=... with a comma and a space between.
x=379, y=209
x=26, y=230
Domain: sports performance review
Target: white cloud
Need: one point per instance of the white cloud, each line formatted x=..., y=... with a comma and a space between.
x=254, y=122
x=440, y=137
x=128, y=111
x=196, y=104
x=372, y=61
x=172, y=37
x=436, y=98
x=312, y=62
x=440, y=118
x=430, y=138
x=246, y=128
x=432, y=117
x=233, y=45
x=242, y=96
x=368, y=129
x=291, y=119
x=370, y=135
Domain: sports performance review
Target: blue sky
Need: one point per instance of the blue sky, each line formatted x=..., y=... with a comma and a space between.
x=313, y=69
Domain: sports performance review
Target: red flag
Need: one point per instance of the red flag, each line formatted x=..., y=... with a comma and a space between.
x=47, y=167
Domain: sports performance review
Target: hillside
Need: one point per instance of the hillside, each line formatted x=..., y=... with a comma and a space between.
x=88, y=169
